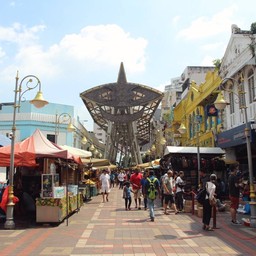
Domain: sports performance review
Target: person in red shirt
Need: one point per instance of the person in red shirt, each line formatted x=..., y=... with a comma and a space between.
x=135, y=180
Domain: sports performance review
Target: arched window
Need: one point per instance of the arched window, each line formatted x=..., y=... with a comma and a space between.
x=231, y=100
x=251, y=86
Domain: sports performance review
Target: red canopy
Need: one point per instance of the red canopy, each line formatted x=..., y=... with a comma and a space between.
x=26, y=152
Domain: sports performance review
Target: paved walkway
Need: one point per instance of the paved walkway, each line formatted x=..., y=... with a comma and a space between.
x=107, y=229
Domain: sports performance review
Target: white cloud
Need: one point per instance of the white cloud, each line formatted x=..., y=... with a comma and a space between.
x=204, y=27
x=2, y=53
x=213, y=46
x=175, y=20
x=105, y=45
x=19, y=34
x=207, y=60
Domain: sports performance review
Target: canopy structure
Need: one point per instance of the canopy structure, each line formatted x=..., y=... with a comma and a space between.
x=123, y=110
x=193, y=150
x=26, y=152
x=77, y=151
x=4, y=141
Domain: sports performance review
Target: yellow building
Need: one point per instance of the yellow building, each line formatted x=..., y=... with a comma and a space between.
x=195, y=117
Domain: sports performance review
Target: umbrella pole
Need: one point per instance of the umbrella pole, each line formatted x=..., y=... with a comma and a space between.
x=67, y=193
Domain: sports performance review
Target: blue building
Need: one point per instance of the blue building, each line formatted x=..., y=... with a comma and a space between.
x=51, y=120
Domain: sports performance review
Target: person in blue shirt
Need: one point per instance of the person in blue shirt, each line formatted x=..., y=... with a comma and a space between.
x=127, y=195
x=143, y=187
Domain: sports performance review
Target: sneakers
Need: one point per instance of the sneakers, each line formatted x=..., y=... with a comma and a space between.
x=236, y=222
x=152, y=219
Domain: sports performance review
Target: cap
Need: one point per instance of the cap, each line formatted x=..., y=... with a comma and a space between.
x=213, y=177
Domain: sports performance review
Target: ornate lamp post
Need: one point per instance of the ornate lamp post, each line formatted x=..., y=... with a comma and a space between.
x=220, y=104
x=31, y=83
x=61, y=119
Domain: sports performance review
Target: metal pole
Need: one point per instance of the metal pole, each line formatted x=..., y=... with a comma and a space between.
x=9, y=224
x=198, y=152
x=56, y=127
x=198, y=158
x=249, y=155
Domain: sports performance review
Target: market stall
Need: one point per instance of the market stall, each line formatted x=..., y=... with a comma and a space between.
x=186, y=159
x=93, y=166
x=46, y=178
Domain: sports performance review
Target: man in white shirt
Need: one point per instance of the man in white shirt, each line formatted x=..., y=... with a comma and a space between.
x=121, y=177
x=179, y=191
x=105, y=185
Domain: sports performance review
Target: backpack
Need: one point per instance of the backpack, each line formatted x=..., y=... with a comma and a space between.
x=152, y=189
x=200, y=197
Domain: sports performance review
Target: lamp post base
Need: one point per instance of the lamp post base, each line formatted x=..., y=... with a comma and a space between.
x=253, y=214
x=9, y=223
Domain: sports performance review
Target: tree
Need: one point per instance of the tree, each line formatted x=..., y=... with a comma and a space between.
x=253, y=28
x=217, y=64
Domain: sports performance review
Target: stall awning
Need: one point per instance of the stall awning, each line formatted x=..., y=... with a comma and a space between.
x=77, y=151
x=96, y=162
x=156, y=162
x=193, y=150
x=105, y=167
x=26, y=151
x=144, y=165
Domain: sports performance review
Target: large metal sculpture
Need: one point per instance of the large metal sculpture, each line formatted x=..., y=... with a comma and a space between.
x=124, y=111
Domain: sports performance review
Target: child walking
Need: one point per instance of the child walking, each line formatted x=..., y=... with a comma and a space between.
x=127, y=195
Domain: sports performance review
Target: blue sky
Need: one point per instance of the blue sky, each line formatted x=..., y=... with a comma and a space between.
x=75, y=45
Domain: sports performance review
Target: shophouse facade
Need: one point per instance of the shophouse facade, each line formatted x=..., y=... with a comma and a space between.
x=205, y=125
x=238, y=67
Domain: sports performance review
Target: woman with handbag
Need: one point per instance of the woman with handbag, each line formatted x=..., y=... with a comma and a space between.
x=209, y=202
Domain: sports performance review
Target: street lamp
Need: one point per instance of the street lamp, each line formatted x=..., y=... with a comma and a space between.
x=84, y=140
x=220, y=104
x=31, y=83
x=60, y=119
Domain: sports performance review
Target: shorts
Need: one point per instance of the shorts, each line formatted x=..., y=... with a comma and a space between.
x=137, y=193
x=168, y=198
x=105, y=189
x=234, y=202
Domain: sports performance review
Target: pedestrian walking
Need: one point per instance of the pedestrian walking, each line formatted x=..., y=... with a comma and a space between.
x=234, y=192
x=143, y=188
x=168, y=186
x=152, y=187
x=105, y=185
x=207, y=206
x=121, y=177
x=135, y=180
x=127, y=195
x=179, y=191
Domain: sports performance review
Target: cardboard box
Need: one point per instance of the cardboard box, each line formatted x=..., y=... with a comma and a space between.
x=188, y=202
x=187, y=208
x=200, y=212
